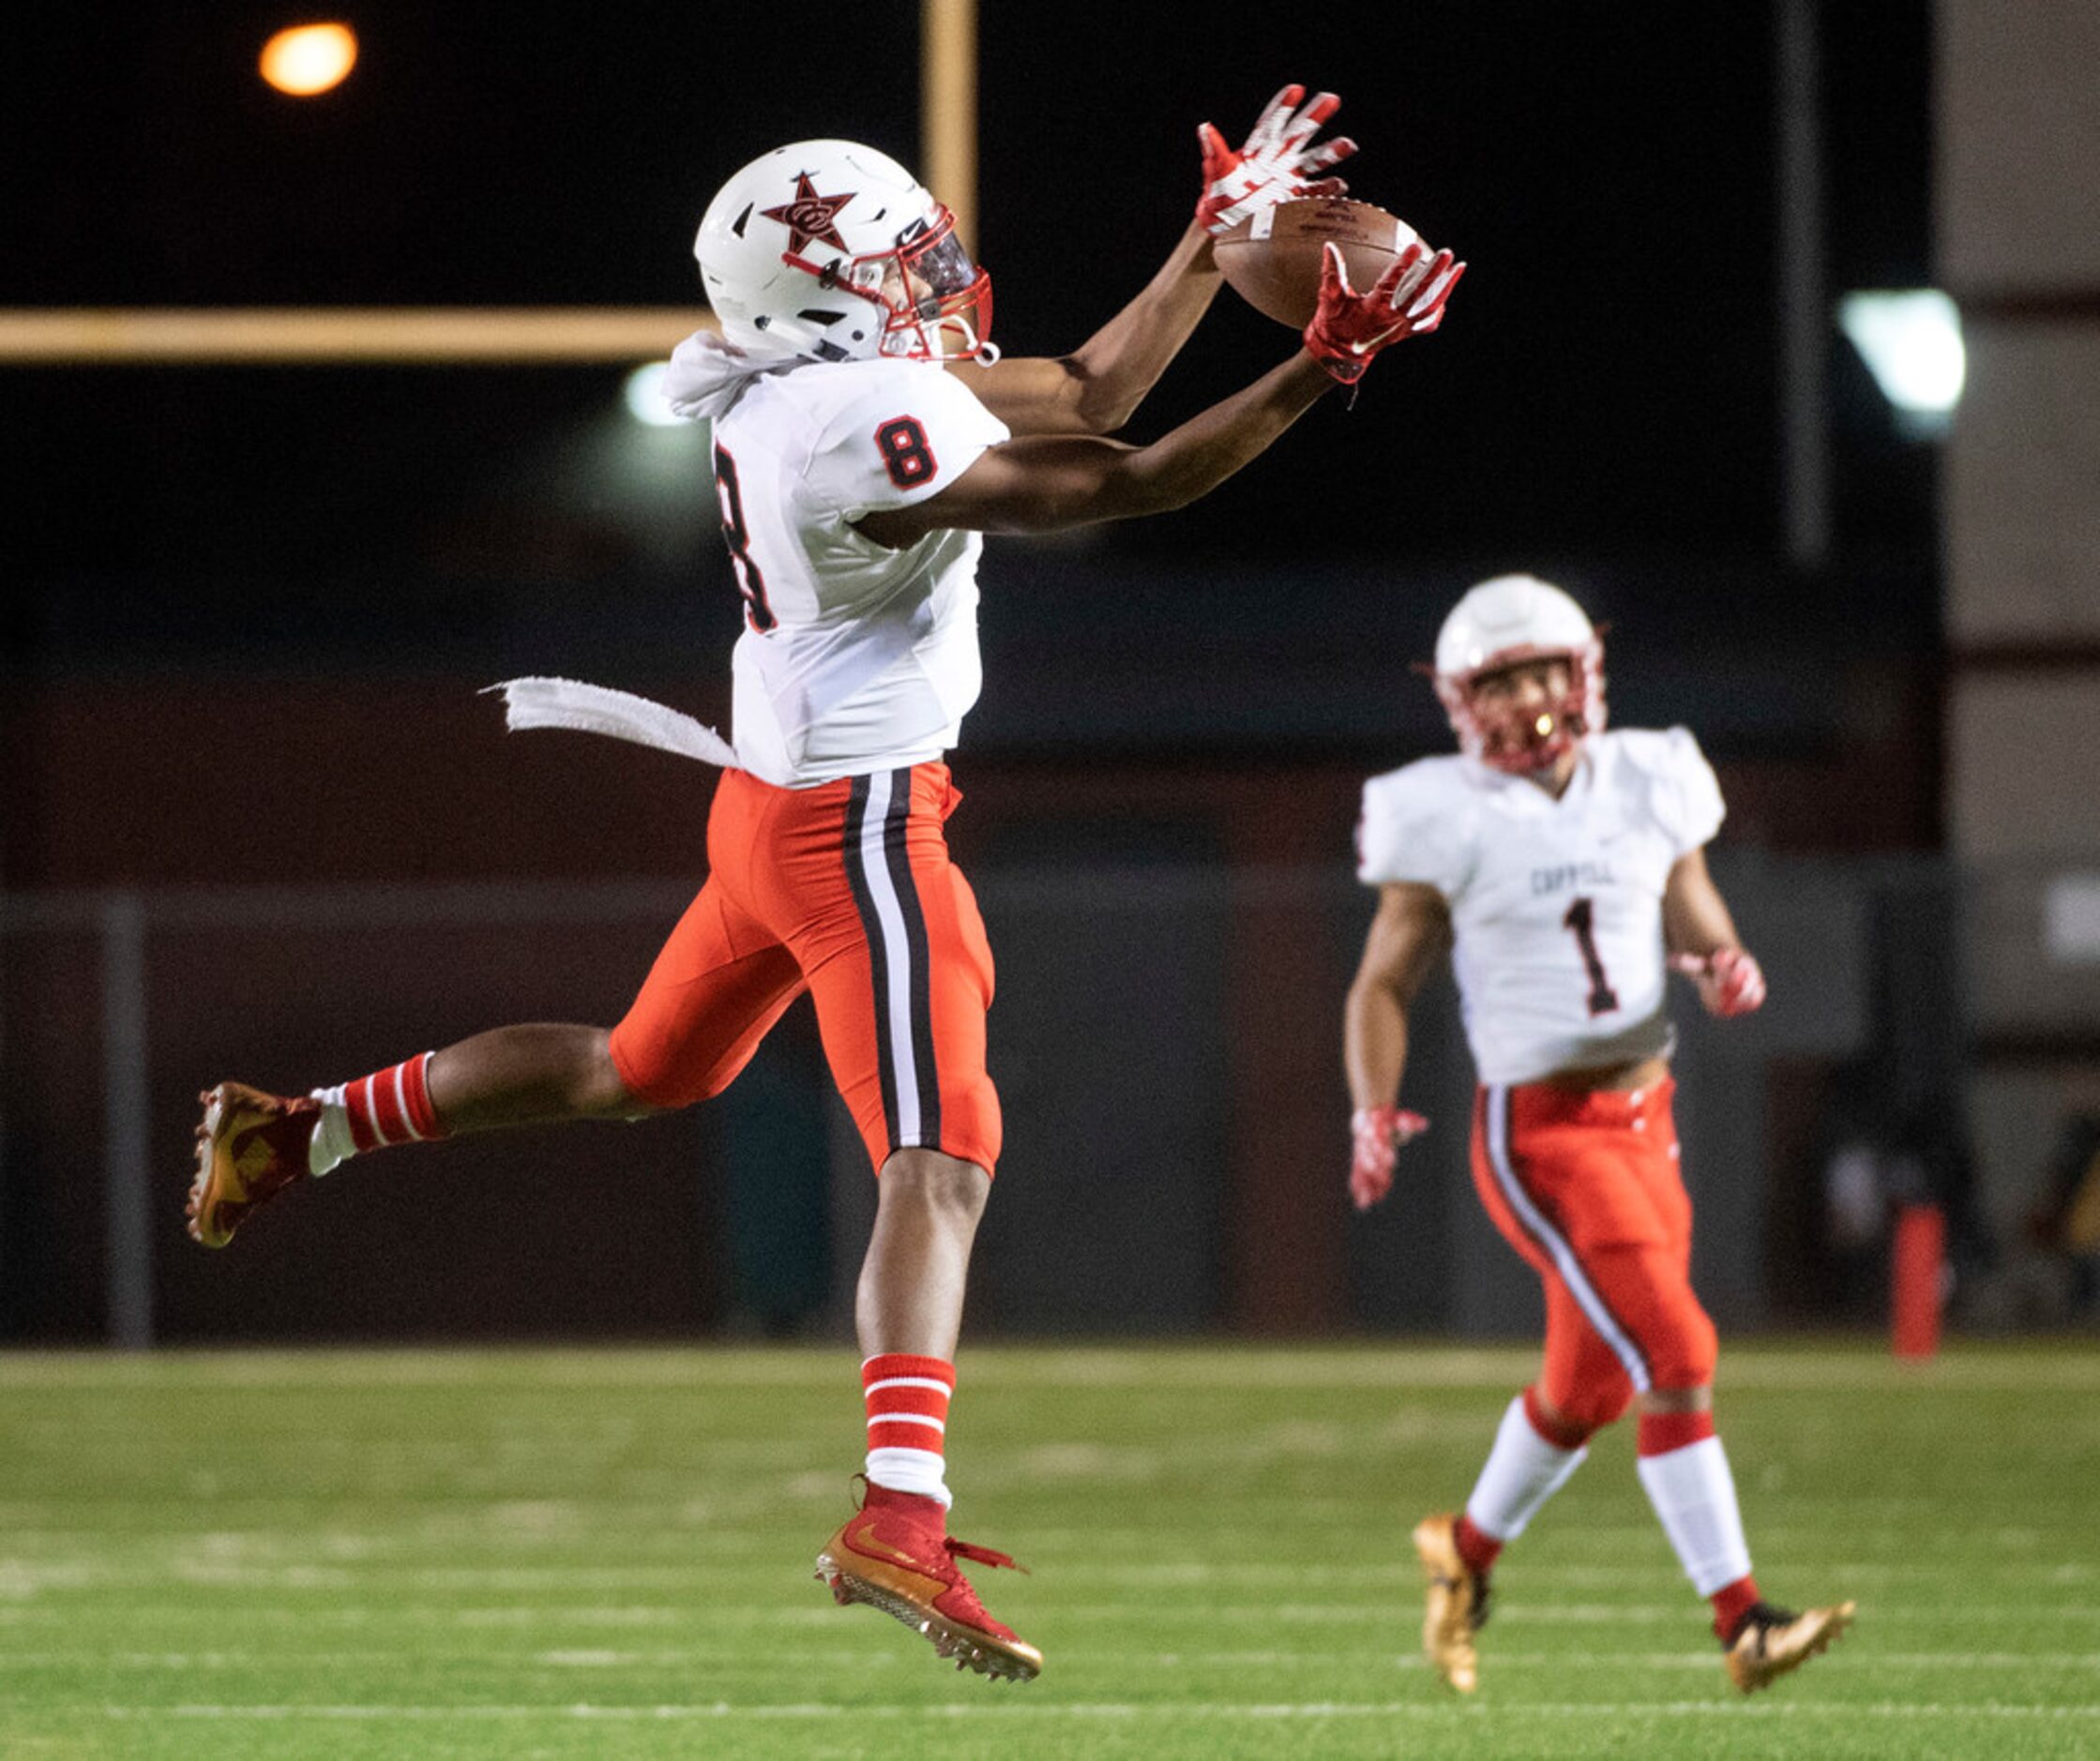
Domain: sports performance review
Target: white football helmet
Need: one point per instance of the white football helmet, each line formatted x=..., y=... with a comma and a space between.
x=1501, y=623
x=833, y=251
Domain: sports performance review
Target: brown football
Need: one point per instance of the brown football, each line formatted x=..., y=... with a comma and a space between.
x=1273, y=261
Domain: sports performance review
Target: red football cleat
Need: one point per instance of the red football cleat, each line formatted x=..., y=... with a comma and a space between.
x=251, y=1145
x=896, y=1554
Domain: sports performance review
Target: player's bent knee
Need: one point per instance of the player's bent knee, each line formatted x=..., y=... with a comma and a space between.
x=603, y=1091
x=637, y=1078
x=970, y=1132
x=972, y=1128
x=929, y=1180
x=1553, y=1420
x=1686, y=1358
x=1589, y=1409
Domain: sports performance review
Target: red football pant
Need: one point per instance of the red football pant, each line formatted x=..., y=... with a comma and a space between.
x=1585, y=1186
x=846, y=891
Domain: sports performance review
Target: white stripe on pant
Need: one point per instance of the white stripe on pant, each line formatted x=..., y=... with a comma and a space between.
x=1557, y=1245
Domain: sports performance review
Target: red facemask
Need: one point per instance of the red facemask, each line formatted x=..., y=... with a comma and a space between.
x=936, y=303
x=1521, y=737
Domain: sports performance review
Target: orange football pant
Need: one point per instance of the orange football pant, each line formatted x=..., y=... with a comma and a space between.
x=1586, y=1187
x=846, y=891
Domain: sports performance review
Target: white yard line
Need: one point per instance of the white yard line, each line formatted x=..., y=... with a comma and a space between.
x=1147, y=1589
x=148, y=1617
x=686, y=1656
x=1020, y=1705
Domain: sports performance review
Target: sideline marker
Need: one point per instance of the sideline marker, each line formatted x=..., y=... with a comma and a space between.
x=1917, y=1261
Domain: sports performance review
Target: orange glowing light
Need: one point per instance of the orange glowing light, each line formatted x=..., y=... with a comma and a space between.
x=309, y=58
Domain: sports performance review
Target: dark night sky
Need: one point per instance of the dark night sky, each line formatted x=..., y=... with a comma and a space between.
x=1603, y=396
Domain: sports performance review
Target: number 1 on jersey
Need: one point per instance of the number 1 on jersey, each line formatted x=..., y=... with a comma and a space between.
x=1580, y=919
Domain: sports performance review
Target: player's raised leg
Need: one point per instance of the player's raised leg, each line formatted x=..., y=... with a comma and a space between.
x=252, y=1145
x=716, y=990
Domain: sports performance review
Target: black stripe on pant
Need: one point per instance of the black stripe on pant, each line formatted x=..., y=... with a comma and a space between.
x=897, y=957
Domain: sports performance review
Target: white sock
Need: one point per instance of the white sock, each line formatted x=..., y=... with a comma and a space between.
x=332, y=1142
x=918, y=1471
x=1694, y=1495
x=1523, y=1471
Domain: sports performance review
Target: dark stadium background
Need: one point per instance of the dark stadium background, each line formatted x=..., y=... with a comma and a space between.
x=1605, y=402
x=250, y=607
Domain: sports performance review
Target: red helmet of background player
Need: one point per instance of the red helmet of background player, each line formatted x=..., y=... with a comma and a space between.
x=1501, y=623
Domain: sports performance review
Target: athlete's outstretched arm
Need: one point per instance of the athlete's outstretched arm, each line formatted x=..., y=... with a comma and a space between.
x=1098, y=388
x=1701, y=936
x=1052, y=482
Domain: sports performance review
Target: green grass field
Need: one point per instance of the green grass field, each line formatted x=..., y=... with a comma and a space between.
x=607, y=1553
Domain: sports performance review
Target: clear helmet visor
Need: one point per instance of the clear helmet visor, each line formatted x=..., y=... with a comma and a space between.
x=939, y=300
x=937, y=269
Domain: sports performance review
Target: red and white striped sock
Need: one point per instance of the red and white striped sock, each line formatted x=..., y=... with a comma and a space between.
x=389, y=1106
x=907, y=1422
x=1686, y=1470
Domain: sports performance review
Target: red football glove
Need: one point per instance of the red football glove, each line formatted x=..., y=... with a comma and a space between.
x=1730, y=981
x=1348, y=328
x=1278, y=163
x=1379, y=1133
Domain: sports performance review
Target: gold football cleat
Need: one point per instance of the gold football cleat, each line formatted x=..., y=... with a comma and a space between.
x=1773, y=1641
x=896, y=1554
x=251, y=1145
x=1455, y=1606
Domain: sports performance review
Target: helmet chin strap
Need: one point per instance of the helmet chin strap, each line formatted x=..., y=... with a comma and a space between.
x=982, y=351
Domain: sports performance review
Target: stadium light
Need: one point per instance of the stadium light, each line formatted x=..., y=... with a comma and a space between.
x=1911, y=344
x=309, y=59
x=645, y=399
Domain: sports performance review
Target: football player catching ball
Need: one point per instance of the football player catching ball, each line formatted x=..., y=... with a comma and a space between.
x=1563, y=866
x=866, y=434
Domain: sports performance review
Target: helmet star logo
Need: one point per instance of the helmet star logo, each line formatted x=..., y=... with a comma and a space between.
x=809, y=216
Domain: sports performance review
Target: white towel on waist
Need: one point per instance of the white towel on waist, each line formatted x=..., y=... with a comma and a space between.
x=540, y=702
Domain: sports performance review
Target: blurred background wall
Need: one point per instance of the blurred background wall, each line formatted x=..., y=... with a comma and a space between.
x=258, y=821
x=2018, y=143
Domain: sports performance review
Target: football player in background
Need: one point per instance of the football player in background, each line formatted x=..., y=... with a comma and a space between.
x=866, y=433
x=1563, y=868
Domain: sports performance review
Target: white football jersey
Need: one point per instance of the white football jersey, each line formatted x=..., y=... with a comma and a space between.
x=1556, y=905
x=853, y=658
